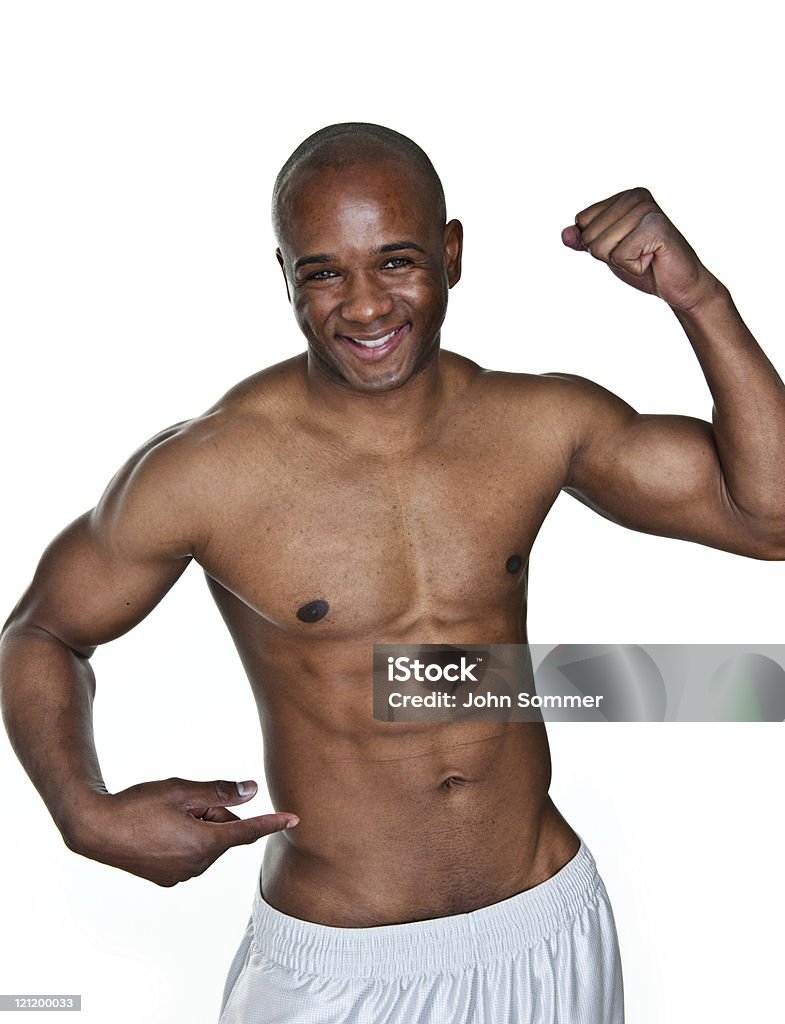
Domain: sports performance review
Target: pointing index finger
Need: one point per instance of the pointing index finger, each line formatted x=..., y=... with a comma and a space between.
x=247, y=830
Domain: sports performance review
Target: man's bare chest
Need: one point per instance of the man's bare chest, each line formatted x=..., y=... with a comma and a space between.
x=366, y=545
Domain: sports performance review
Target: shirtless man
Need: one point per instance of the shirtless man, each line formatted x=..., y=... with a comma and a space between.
x=413, y=872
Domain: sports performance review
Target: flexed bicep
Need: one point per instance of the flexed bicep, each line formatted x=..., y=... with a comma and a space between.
x=658, y=474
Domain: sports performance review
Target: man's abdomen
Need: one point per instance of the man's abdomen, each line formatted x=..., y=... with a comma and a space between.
x=414, y=823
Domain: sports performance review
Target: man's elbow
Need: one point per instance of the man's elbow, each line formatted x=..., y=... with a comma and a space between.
x=21, y=626
x=759, y=527
x=774, y=553
x=766, y=537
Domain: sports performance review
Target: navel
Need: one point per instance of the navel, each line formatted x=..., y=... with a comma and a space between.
x=513, y=564
x=454, y=782
x=313, y=611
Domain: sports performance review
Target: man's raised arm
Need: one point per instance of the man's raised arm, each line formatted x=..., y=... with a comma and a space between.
x=721, y=484
x=98, y=579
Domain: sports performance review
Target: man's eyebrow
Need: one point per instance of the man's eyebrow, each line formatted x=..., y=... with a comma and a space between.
x=317, y=258
x=397, y=246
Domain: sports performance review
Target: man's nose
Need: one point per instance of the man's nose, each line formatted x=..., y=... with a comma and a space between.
x=364, y=300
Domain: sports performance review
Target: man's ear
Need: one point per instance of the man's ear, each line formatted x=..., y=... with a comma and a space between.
x=453, y=251
x=282, y=265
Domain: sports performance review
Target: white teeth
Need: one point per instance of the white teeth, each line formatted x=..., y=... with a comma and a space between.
x=374, y=344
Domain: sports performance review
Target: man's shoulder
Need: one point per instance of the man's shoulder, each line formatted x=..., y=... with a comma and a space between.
x=558, y=408
x=272, y=393
x=190, y=458
x=258, y=406
x=553, y=392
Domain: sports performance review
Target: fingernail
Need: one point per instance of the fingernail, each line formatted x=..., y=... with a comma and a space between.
x=292, y=822
x=246, y=788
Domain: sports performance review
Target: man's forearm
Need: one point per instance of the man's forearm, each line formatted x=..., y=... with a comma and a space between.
x=749, y=407
x=47, y=691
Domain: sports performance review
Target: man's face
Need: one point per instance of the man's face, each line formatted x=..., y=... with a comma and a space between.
x=368, y=267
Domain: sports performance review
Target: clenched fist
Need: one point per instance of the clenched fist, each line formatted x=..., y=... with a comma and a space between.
x=641, y=246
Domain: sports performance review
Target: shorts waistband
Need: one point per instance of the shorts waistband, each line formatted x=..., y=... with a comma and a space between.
x=436, y=945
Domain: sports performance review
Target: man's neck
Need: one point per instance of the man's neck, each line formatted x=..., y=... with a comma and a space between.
x=378, y=422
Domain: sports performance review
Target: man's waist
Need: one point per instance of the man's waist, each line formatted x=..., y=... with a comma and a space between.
x=374, y=867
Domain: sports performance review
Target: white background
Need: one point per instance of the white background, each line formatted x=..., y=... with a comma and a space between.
x=140, y=142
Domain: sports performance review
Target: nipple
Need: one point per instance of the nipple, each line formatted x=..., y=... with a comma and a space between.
x=513, y=564
x=313, y=611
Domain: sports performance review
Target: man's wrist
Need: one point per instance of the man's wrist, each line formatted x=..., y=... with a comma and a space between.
x=712, y=301
x=76, y=817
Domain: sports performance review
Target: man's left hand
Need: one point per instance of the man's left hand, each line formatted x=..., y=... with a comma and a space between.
x=642, y=247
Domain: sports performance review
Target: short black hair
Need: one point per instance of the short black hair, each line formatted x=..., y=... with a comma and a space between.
x=341, y=146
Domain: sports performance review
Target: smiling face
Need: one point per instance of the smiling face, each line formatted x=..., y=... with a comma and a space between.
x=368, y=266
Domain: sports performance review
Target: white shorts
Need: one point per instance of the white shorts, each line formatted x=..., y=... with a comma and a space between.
x=546, y=956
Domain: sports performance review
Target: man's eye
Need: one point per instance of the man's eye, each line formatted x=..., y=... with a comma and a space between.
x=397, y=261
x=321, y=275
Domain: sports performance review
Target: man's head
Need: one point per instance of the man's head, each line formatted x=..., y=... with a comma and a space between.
x=339, y=146
x=366, y=252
